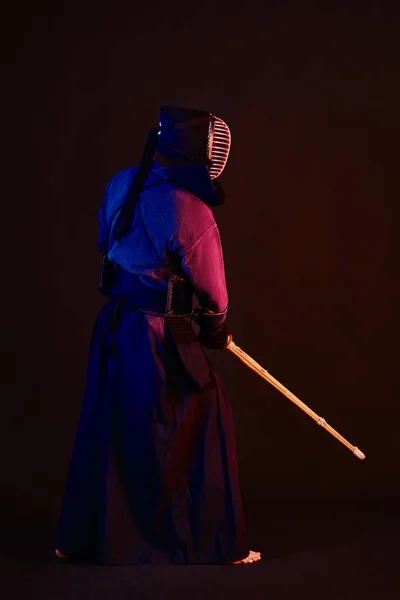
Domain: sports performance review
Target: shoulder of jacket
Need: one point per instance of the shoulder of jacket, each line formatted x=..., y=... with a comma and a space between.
x=183, y=198
x=121, y=179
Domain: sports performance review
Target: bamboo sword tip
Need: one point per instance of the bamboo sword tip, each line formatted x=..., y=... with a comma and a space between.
x=358, y=453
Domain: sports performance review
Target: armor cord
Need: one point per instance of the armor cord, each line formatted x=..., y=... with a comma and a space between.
x=125, y=217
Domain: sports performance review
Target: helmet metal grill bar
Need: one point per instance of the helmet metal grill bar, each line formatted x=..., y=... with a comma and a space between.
x=219, y=145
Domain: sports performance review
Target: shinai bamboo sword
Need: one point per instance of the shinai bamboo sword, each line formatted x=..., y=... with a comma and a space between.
x=252, y=364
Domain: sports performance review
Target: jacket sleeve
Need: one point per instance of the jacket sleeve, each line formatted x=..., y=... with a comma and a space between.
x=203, y=264
x=197, y=243
x=103, y=219
x=114, y=195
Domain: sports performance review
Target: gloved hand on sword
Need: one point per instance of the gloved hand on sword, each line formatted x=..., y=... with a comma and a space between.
x=213, y=330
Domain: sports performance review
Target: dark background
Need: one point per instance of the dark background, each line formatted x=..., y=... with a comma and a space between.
x=310, y=92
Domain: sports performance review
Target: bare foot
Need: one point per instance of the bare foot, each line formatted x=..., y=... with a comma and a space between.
x=252, y=557
x=60, y=554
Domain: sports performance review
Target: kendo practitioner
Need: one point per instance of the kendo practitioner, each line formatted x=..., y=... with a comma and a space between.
x=153, y=476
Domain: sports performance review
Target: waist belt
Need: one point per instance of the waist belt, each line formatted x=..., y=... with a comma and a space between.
x=129, y=291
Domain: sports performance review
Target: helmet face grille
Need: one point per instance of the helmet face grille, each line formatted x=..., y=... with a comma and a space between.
x=219, y=144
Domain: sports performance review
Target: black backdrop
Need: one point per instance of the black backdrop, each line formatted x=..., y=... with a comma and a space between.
x=309, y=232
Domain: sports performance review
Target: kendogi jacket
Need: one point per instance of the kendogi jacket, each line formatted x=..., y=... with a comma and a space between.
x=173, y=232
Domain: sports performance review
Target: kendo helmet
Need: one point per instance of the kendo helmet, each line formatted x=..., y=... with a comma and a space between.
x=194, y=136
